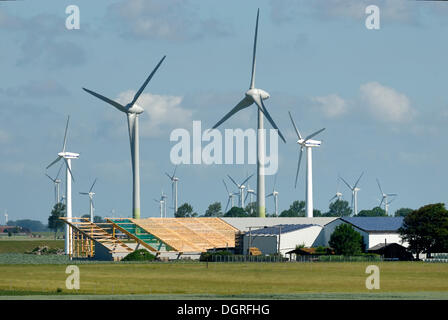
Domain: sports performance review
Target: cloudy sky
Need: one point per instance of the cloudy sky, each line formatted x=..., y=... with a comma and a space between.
x=380, y=94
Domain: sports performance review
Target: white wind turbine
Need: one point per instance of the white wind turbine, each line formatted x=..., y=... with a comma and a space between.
x=354, y=191
x=67, y=156
x=162, y=205
x=174, y=182
x=6, y=217
x=384, y=198
x=92, y=206
x=56, y=182
x=254, y=95
x=275, y=195
x=307, y=143
x=230, y=195
x=241, y=188
x=132, y=111
x=338, y=194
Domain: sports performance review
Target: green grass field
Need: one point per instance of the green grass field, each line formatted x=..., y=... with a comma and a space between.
x=22, y=246
x=237, y=280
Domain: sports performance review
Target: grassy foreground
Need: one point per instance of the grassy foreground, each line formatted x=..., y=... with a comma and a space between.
x=267, y=280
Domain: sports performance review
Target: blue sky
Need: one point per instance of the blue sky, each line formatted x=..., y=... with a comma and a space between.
x=380, y=94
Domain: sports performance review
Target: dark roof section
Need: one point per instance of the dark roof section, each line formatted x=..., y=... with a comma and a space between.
x=285, y=228
x=375, y=224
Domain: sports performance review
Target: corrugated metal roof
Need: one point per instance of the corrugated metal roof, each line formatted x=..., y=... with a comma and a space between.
x=378, y=224
x=285, y=228
x=243, y=224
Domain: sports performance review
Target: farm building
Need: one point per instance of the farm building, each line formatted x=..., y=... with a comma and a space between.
x=374, y=230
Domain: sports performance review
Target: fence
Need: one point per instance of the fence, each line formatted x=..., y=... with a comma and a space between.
x=310, y=258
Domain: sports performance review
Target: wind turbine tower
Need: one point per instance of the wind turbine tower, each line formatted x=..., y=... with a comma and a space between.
x=241, y=186
x=230, y=196
x=90, y=194
x=56, y=182
x=132, y=111
x=254, y=95
x=308, y=144
x=275, y=195
x=67, y=156
x=6, y=217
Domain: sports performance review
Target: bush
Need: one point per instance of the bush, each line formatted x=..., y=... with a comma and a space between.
x=139, y=255
x=346, y=241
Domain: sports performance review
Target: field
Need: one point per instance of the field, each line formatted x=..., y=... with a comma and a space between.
x=24, y=245
x=235, y=280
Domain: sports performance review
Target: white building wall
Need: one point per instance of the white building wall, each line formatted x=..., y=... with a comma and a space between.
x=376, y=238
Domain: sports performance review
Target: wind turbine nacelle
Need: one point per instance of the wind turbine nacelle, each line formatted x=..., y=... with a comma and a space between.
x=69, y=155
x=135, y=109
x=310, y=143
x=257, y=92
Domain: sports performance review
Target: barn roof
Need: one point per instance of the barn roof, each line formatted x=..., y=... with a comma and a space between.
x=375, y=224
x=243, y=224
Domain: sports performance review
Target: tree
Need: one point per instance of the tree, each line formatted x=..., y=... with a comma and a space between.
x=236, y=212
x=375, y=212
x=317, y=213
x=185, y=211
x=403, y=212
x=296, y=209
x=54, y=223
x=32, y=225
x=339, y=208
x=426, y=229
x=98, y=219
x=214, y=210
x=346, y=241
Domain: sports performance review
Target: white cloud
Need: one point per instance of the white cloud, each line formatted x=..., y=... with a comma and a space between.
x=161, y=112
x=386, y=104
x=331, y=105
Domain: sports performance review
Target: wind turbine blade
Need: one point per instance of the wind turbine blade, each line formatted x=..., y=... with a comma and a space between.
x=382, y=199
x=59, y=171
x=139, y=92
x=379, y=186
x=70, y=170
x=241, y=105
x=171, y=178
x=348, y=185
x=247, y=195
x=298, y=167
x=109, y=101
x=227, y=206
x=225, y=185
x=174, y=173
x=85, y=193
x=358, y=180
x=259, y=101
x=234, y=181
x=92, y=185
x=252, y=80
x=54, y=180
x=57, y=159
x=275, y=181
x=332, y=198
x=246, y=180
x=314, y=134
x=93, y=205
x=65, y=135
x=295, y=127
x=392, y=194
x=269, y=195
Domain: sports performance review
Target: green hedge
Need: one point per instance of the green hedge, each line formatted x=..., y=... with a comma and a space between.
x=139, y=255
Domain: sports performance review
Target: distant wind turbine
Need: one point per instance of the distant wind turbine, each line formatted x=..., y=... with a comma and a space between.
x=230, y=196
x=384, y=198
x=275, y=195
x=174, y=182
x=354, y=189
x=92, y=206
x=241, y=187
x=56, y=182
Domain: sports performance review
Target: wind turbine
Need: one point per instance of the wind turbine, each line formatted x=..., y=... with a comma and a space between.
x=90, y=194
x=67, y=156
x=338, y=194
x=275, y=195
x=162, y=204
x=307, y=143
x=384, y=198
x=230, y=195
x=56, y=182
x=132, y=111
x=174, y=182
x=254, y=95
x=6, y=217
x=354, y=190
x=241, y=186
